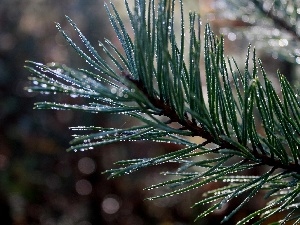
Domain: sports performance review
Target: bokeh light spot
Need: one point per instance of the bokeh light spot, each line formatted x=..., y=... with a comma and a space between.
x=86, y=165
x=232, y=36
x=83, y=187
x=283, y=42
x=110, y=205
x=3, y=162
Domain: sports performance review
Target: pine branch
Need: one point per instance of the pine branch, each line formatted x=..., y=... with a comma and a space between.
x=277, y=20
x=187, y=124
x=153, y=79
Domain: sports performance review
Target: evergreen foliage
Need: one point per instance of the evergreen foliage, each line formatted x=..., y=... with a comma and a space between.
x=243, y=121
x=274, y=25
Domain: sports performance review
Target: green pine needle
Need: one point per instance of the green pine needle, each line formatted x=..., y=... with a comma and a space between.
x=153, y=78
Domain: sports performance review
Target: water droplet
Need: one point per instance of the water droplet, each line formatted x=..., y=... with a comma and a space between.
x=73, y=95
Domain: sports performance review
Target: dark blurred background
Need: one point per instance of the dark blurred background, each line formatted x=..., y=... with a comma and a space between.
x=41, y=183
